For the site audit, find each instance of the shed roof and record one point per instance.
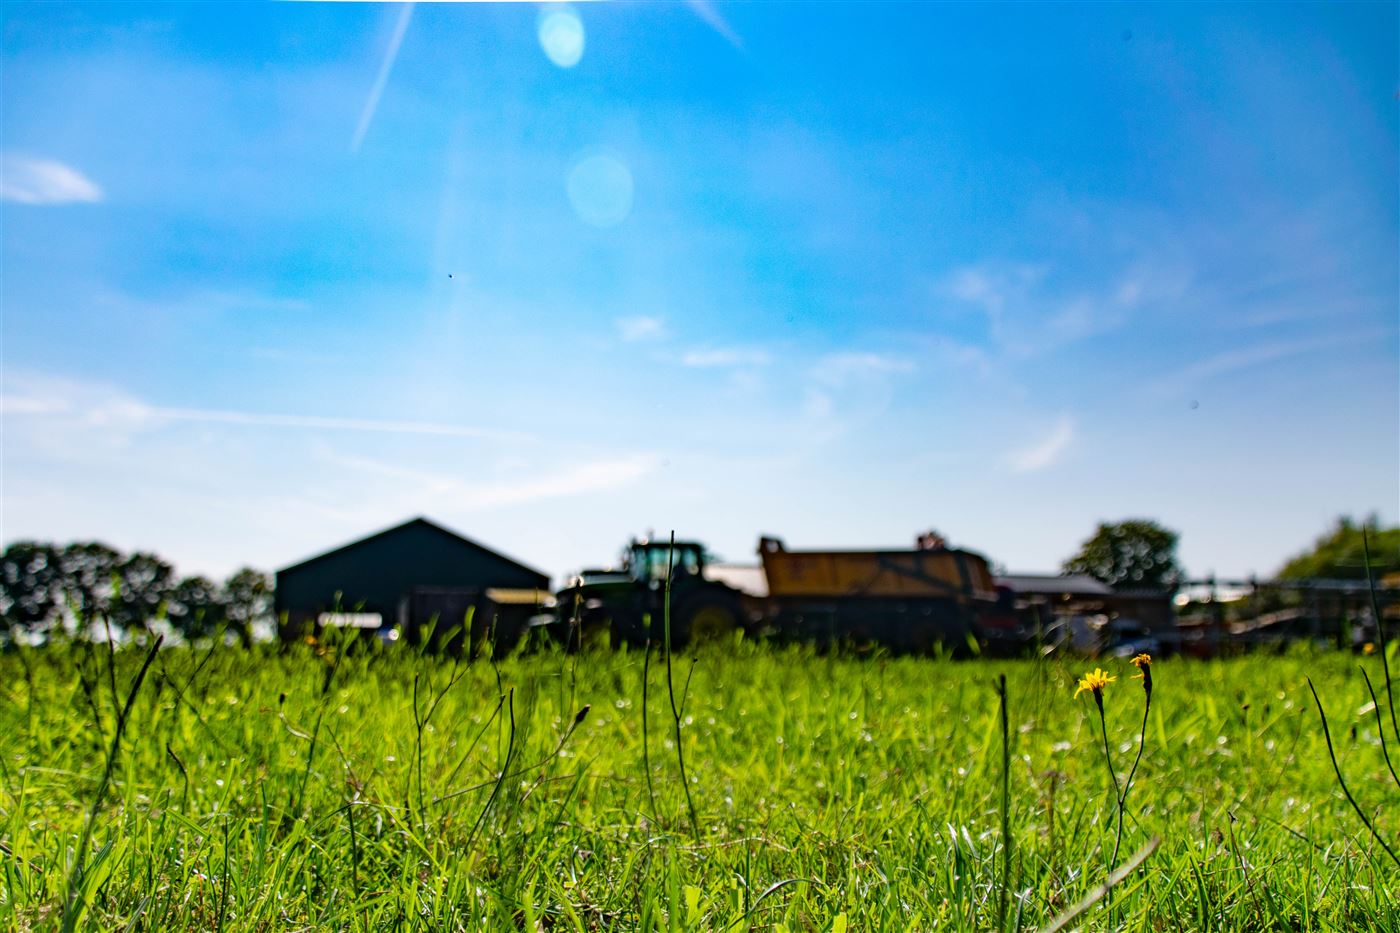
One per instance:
(1055, 584)
(419, 521)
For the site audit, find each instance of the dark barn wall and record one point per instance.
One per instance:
(372, 575)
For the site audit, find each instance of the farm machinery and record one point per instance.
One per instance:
(905, 601)
(628, 605)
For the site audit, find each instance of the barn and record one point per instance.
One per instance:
(402, 577)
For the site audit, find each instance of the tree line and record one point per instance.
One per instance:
(86, 587)
(1139, 553)
(1345, 551)
(81, 588)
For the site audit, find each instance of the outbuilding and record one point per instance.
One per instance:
(399, 579)
(1049, 602)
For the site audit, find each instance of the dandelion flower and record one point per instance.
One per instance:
(1095, 681)
(1143, 663)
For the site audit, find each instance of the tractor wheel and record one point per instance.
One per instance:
(706, 620)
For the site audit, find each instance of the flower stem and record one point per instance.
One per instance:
(1004, 894)
(1113, 781)
(1128, 785)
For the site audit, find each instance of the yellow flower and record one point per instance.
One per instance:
(1368, 648)
(1143, 663)
(1094, 681)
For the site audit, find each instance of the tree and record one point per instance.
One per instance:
(140, 585)
(1340, 553)
(85, 585)
(196, 608)
(85, 580)
(1136, 553)
(31, 593)
(248, 597)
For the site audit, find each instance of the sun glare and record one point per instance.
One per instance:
(561, 36)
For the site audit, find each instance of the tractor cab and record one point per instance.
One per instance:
(631, 604)
(647, 561)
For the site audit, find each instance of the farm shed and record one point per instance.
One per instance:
(402, 575)
(1075, 594)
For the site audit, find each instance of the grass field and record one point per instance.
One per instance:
(381, 790)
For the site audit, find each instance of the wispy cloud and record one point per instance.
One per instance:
(1045, 452)
(1026, 316)
(837, 367)
(847, 391)
(389, 426)
(640, 327)
(28, 405)
(382, 79)
(27, 180)
(1306, 311)
(1241, 358)
(726, 357)
(102, 407)
(454, 493)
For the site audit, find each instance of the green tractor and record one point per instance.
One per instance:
(626, 606)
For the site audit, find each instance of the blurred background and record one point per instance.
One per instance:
(275, 276)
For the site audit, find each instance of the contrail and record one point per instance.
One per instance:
(386, 66)
(214, 416)
(116, 408)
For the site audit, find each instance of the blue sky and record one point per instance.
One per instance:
(279, 275)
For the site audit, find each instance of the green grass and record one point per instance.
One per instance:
(261, 791)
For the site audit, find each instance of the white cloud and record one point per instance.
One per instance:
(836, 367)
(640, 327)
(11, 404)
(1240, 358)
(452, 492)
(1047, 451)
(573, 480)
(1027, 316)
(109, 410)
(725, 356)
(276, 495)
(269, 420)
(28, 180)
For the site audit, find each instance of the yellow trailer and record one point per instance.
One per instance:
(910, 600)
(936, 573)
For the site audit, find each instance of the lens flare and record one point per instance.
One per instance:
(561, 36)
(600, 189)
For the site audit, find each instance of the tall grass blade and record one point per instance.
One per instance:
(1093, 897)
(1336, 768)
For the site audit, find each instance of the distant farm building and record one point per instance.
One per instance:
(1083, 595)
(1055, 606)
(404, 578)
